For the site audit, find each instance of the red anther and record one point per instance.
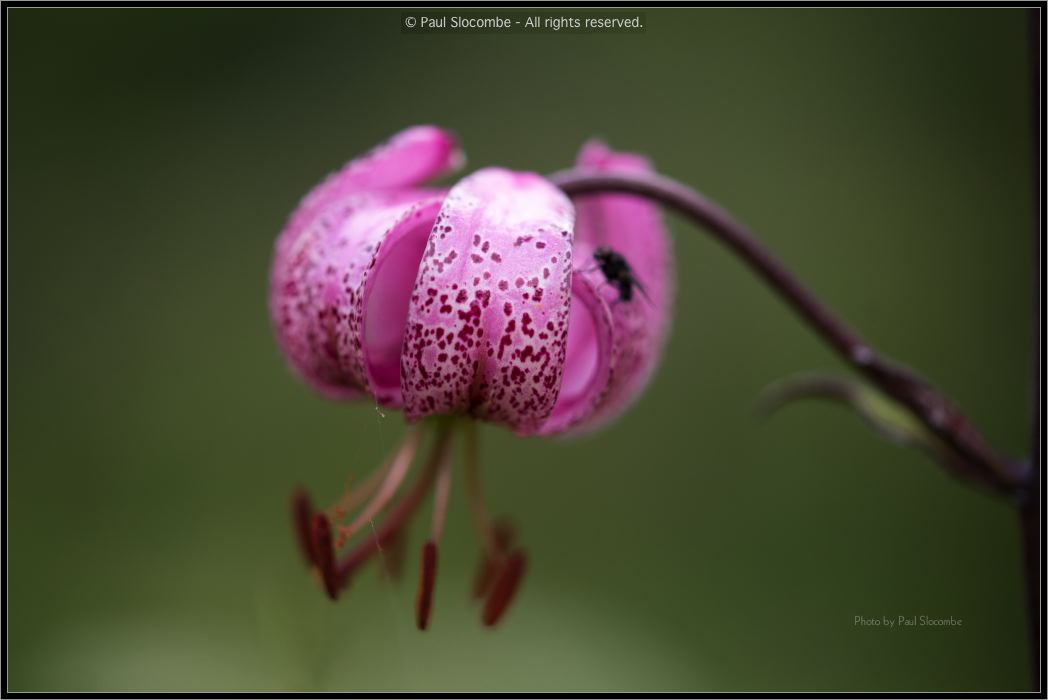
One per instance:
(505, 587)
(424, 600)
(301, 513)
(324, 554)
(502, 532)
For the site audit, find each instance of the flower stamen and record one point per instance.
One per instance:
(489, 566)
(354, 497)
(428, 579)
(505, 587)
(402, 511)
(475, 494)
(301, 518)
(398, 470)
(501, 570)
(324, 554)
(393, 556)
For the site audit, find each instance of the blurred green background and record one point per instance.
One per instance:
(155, 433)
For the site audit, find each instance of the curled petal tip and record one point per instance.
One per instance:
(597, 155)
(409, 158)
(427, 581)
(368, 213)
(504, 588)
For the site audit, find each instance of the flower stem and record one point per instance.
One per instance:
(977, 460)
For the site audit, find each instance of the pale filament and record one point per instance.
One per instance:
(397, 471)
(475, 496)
(403, 510)
(441, 497)
(353, 497)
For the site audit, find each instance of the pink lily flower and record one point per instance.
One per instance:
(496, 300)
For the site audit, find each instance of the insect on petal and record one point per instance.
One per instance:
(632, 227)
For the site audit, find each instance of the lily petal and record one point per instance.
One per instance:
(411, 157)
(632, 227)
(324, 296)
(322, 282)
(590, 354)
(487, 327)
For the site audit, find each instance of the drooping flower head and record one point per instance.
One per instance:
(486, 301)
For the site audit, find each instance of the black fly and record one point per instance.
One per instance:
(618, 273)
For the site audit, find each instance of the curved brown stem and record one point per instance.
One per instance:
(976, 461)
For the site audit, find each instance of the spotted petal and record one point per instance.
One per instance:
(369, 216)
(632, 227)
(408, 159)
(487, 329)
